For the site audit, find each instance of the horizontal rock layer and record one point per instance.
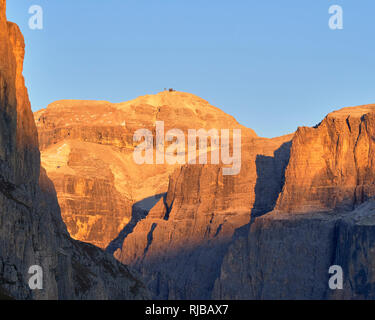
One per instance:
(88, 146)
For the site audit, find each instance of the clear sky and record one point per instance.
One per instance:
(274, 65)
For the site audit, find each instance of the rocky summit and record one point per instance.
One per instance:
(32, 232)
(87, 150)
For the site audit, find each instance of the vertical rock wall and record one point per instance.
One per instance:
(31, 229)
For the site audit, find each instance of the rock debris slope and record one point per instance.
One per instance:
(31, 229)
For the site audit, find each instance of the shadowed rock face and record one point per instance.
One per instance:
(355, 247)
(31, 229)
(280, 257)
(287, 256)
(180, 245)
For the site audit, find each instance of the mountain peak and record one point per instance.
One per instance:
(174, 98)
(355, 112)
(177, 109)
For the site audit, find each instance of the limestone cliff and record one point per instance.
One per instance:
(288, 256)
(31, 229)
(332, 165)
(189, 229)
(87, 149)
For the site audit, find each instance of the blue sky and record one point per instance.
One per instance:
(274, 65)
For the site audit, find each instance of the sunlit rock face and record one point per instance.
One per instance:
(31, 229)
(332, 165)
(88, 146)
